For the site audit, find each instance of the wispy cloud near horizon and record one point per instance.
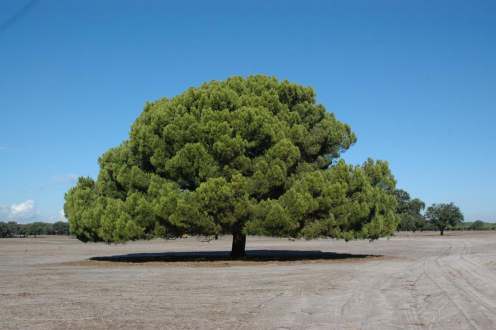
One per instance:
(20, 212)
(65, 178)
(26, 212)
(22, 208)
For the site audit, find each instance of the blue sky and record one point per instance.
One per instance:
(416, 80)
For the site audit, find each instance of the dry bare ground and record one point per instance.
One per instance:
(422, 281)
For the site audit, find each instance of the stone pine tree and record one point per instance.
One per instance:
(242, 156)
(443, 216)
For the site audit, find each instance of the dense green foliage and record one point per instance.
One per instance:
(443, 216)
(241, 156)
(13, 229)
(475, 225)
(410, 212)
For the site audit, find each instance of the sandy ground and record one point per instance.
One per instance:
(422, 281)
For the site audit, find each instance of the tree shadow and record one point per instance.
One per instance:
(251, 255)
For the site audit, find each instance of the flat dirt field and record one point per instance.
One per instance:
(406, 282)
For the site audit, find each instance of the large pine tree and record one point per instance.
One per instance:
(240, 156)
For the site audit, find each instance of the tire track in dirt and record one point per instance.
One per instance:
(424, 282)
(431, 267)
(378, 300)
(452, 275)
(461, 275)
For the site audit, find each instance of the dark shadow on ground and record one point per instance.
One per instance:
(251, 255)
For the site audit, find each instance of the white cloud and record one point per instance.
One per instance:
(22, 208)
(62, 216)
(26, 212)
(22, 212)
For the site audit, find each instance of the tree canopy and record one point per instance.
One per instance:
(14, 229)
(409, 210)
(443, 216)
(242, 156)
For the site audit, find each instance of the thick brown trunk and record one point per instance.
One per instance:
(238, 245)
(442, 232)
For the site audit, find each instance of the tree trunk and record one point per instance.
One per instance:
(238, 245)
(442, 232)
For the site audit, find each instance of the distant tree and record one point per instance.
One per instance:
(5, 230)
(409, 211)
(14, 228)
(478, 225)
(443, 216)
(240, 156)
(403, 198)
(60, 228)
(37, 228)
